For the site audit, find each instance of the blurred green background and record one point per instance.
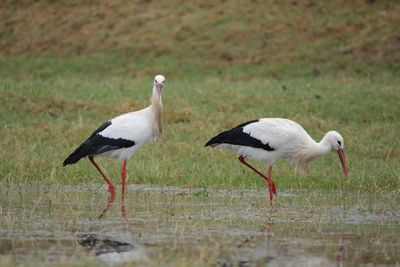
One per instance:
(68, 66)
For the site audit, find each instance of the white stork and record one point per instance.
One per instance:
(270, 139)
(122, 136)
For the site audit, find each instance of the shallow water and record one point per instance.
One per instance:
(172, 226)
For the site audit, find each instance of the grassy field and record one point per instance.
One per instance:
(335, 68)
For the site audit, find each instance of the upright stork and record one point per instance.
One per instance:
(270, 139)
(122, 136)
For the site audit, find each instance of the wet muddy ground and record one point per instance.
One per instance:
(171, 226)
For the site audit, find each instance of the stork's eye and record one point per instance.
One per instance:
(340, 143)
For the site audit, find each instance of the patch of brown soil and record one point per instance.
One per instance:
(259, 32)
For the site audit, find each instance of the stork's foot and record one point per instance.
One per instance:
(271, 195)
(274, 189)
(272, 192)
(111, 189)
(271, 189)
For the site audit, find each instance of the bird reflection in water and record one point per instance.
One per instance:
(110, 202)
(265, 248)
(118, 246)
(340, 255)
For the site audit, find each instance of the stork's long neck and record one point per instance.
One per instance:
(309, 151)
(319, 149)
(157, 109)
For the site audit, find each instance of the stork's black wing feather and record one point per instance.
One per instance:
(97, 144)
(101, 128)
(236, 136)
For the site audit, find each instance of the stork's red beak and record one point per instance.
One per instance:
(159, 86)
(342, 158)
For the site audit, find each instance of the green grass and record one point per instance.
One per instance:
(50, 104)
(66, 67)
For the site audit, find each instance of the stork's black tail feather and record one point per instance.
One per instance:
(85, 148)
(218, 139)
(236, 136)
(75, 156)
(97, 144)
(227, 136)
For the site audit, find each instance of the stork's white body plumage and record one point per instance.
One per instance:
(123, 135)
(270, 139)
(287, 137)
(137, 126)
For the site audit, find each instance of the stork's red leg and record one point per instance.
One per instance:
(123, 178)
(273, 183)
(110, 185)
(268, 179)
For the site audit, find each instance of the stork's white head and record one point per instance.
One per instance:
(159, 82)
(335, 140)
